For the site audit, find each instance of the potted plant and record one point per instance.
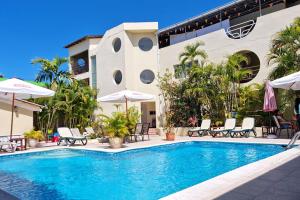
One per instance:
(170, 135)
(33, 137)
(168, 88)
(116, 128)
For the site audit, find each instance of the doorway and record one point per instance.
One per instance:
(148, 113)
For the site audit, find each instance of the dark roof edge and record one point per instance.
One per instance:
(82, 39)
(226, 5)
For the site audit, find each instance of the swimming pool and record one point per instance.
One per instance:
(148, 173)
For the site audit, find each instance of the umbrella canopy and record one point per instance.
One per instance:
(291, 81)
(18, 89)
(269, 100)
(22, 89)
(126, 95)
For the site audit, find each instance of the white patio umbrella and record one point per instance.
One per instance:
(291, 81)
(18, 89)
(126, 95)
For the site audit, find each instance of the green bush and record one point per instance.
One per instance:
(116, 125)
(37, 135)
(133, 116)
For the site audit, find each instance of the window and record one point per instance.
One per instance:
(253, 65)
(81, 62)
(94, 72)
(147, 76)
(118, 77)
(145, 44)
(116, 44)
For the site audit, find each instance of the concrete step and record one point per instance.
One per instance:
(153, 131)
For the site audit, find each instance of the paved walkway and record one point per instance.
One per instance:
(281, 183)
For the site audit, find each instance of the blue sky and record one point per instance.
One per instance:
(41, 28)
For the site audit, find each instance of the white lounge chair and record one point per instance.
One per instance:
(89, 131)
(6, 145)
(69, 137)
(248, 126)
(204, 128)
(225, 131)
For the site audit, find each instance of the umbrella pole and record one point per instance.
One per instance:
(12, 115)
(126, 102)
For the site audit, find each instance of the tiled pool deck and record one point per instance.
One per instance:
(276, 177)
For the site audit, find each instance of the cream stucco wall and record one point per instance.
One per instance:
(130, 60)
(23, 119)
(218, 46)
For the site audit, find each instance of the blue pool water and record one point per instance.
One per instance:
(148, 173)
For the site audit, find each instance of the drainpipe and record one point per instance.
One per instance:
(259, 2)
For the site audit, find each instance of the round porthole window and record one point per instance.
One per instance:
(252, 65)
(116, 44)
(145, 44)
(118, 77)
(81, 62)
(147, 76)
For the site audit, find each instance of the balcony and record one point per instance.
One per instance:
(80, 63)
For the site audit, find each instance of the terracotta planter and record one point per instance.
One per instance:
(115, 142)
(170, 136)
(32, 143)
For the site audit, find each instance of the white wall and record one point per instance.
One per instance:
(23, 118)
(130, 60)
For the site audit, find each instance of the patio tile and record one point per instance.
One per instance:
(235, 195)
(278, 195)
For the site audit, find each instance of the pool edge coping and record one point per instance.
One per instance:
(226, 182)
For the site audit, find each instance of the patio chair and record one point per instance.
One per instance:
(70, 137)
(204, 128)
(225, 131)
(145, 131)
(283, 126)
(137, 132)
(90, 131)
(6, 145)
(248, 126)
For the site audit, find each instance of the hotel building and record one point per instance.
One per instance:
(130, 56)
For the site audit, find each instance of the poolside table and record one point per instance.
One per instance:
(20, 141)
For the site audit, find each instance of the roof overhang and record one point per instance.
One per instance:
(83, 39)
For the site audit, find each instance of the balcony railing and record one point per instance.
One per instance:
(241, 30)
(76, 69)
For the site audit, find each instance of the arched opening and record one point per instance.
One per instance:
(253, 65)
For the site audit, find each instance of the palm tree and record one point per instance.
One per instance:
(192, 53)
(235, 73)
(285, 50)
(51, 71)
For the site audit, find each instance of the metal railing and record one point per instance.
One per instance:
(293, 140)
(241, 30)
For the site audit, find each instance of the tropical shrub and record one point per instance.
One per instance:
(74, 101)
(209, 90)
(285, 50)
(116, 125)
(168, 88)
(285, 55)
(37, 135)
(133, 116)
